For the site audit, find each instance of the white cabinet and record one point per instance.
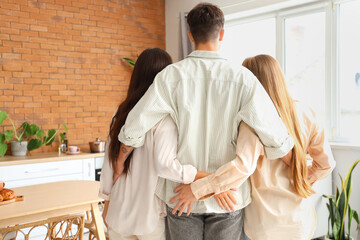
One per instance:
(44, 172)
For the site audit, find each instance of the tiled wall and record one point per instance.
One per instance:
(61, 60)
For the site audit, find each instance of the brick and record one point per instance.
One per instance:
(38, 28)
(12, 67)
(19, 38)
(54, 6)
(13, 92)
(31, 69)
(11, 55)
(4, 36)
(29, 9)
(32, 81)
(4, 30)
(5, 5)
(40, 74)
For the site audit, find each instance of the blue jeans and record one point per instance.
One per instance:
(208, 226)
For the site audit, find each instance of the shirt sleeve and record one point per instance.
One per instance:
(106, 177)
(165, 153)
(322, 158)
(151, 108)
(258, 111)
(248, 150)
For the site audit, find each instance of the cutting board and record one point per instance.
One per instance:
(15, 199)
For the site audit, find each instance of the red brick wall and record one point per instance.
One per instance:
(61, 60)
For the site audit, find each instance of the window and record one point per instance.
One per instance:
(305, 60)
(318, 47)
(249, 39)
(349, 70)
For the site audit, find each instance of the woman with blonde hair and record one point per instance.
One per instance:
(280, 207)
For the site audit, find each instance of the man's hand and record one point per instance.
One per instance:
(185, 197)
(226, 200)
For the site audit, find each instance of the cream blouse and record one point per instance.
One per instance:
(276, 211)
(133, 207)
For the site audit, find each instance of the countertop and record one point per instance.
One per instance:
(45, 157)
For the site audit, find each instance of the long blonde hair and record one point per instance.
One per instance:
(269, 73)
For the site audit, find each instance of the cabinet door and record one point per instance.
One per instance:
(89, 169)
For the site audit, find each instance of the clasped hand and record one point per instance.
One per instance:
(186, 199)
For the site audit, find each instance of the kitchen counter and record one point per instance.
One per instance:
(45, 157)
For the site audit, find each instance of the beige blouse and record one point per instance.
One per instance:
(276, 211)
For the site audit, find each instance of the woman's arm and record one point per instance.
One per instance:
(165, 154)
(319, 149)
(106, 177)
(248, 150)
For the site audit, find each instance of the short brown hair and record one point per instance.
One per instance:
(205, 21)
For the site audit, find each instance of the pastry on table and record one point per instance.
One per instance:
(7, 194)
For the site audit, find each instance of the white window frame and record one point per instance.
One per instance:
(331, 9)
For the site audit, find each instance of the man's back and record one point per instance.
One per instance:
(207, 95)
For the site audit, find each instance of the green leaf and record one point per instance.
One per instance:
(2, 138)
(332, 212)
(50, 137)
(26, 127)
(8, 135)
(130, 62)
(3, 149)
(33, 144)
(348, 180)
(62, 137)
(65, 127)
(337, 225)
(40, 134)
(350, 217)
(341, 206)
(3, 116)
(356, 217)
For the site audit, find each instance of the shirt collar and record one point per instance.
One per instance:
(205, 54)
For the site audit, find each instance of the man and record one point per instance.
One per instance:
(207, 97)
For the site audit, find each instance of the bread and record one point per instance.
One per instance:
(2, 185)
(1, 198)
(7, 194)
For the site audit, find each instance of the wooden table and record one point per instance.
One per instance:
(50, 200)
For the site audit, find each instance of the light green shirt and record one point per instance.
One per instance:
(207, 97)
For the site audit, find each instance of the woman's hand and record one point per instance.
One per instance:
(105, 210)
(185, 197)
(118, 171)
(226, 200)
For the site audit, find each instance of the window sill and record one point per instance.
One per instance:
(345, 146)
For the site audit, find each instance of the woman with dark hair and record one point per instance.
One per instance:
(132, 211)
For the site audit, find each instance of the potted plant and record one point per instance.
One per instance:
(26, 138)
(338, 206)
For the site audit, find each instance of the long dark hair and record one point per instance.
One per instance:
(150, 62)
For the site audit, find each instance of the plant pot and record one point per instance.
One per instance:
(19, 148)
